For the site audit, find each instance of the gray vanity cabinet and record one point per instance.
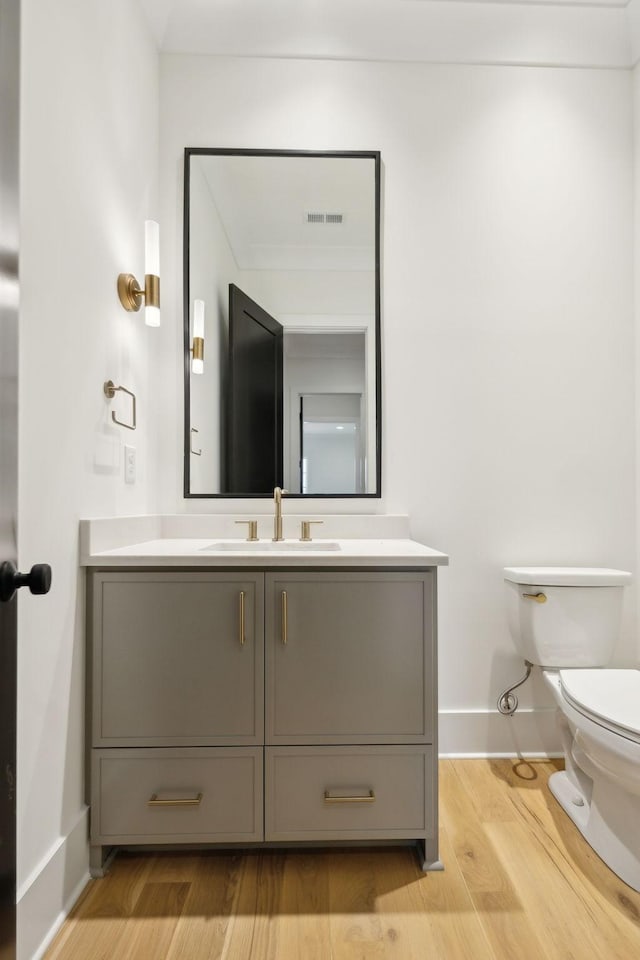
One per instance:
(245, 706)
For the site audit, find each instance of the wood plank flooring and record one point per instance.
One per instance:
(519, 882)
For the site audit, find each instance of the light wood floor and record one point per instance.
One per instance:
(520, 884)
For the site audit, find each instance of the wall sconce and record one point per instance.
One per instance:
(197, 350)
(130, 293)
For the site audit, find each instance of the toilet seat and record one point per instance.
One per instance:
(610, 698)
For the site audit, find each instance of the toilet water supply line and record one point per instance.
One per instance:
(508, 702)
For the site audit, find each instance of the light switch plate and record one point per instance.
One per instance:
(129, 464)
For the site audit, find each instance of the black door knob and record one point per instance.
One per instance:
(38, 579)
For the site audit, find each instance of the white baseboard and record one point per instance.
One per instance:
(487, 733)
(48, 894)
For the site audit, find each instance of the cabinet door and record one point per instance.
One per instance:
(177, 658)
(350, 657)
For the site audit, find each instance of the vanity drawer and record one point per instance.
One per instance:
(306, 790)
(213, 794)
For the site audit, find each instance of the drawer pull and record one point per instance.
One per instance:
(369, 798)
(242, 618)
(284, 618)
(154, 801)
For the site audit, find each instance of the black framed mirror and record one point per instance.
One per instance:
(282, 323)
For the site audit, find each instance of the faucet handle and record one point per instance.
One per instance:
(305, 529)
(252, 532)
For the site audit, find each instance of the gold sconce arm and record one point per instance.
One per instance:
(131, 294)
(110, 391)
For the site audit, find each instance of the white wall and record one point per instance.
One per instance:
(211, 268)
(635, 80)
(89, 147)
(317, 373)
(301, 293)
(508, 339)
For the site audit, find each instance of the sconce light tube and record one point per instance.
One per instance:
(129, 290)
(197, 360)
(152, 273)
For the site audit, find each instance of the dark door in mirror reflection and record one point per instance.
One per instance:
(254, 463)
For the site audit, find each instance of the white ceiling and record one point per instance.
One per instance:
(543, 3)
(546, 32)
(263, 204)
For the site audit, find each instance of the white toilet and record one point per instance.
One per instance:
(566, 620)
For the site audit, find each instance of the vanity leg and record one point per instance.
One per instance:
(100, 860)
(428, 855)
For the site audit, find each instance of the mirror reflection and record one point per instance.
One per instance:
(282, 366)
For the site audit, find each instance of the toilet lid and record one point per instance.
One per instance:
(610, 697)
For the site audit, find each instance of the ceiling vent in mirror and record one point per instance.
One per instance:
(324, 217)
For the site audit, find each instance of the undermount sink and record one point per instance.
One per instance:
(259, 546)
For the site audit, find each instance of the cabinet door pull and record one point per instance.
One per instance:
(154, 801)
(242, 638)
(284, 618)
(368, 798)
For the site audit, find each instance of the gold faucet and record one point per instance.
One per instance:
(277, 520)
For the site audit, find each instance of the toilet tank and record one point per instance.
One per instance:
(565, 616)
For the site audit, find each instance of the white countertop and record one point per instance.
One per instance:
(205, 553)
(166, 542)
